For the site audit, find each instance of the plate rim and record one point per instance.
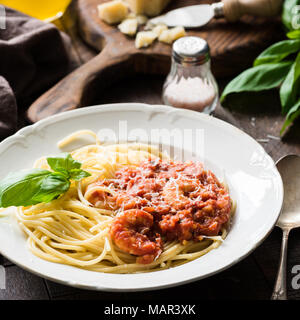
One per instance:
(139, 107)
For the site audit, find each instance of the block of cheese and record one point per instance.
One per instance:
(137, 6)
(129, 26)
(144, 39)
(113, 11)
(168, 36)
(148, 7)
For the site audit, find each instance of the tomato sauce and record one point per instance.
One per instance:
(185, 200)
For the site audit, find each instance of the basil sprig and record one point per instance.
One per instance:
(276, 67)
(29, 187)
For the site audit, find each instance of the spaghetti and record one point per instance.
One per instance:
(100, 223)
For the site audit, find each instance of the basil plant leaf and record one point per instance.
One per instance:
(62, 163)
(259, 78)
(23, 188)
(292, 115)
(289, 13)
(78, 174)
(278, 52)
(290, 88)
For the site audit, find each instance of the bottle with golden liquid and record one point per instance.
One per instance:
(44, 10)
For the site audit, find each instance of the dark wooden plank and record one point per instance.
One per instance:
(56, 289)
(93, 295)
(267, 257)
(139, 88)
(5, 262)
(22, 285)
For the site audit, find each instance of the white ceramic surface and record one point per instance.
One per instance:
(251, 174)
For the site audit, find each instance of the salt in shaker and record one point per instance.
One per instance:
(190, 83)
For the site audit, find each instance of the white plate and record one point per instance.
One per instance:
(251, 174)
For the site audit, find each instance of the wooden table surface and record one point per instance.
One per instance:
(252, 278)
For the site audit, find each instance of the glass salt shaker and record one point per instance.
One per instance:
(190, 83)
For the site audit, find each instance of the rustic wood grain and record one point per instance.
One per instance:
(22, 285)
(233, 47)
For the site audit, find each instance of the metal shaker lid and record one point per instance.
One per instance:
(191, 50)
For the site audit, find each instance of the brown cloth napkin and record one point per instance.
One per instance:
(33, 56)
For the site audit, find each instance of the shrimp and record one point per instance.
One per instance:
(102, 193)
(131, 232)
(179, 193)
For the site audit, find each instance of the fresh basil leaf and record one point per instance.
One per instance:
(290, 88)
(52, 186)
(259, 78)
(291, 116)
(64, 172)
(18, 188)
(34, 186)
(78, 174)
(62, 163)
(289, 13)
(295, 34)
(278, 52)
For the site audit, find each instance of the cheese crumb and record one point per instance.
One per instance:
(113, 11)
(141, 19)
(128, 26)
(131, 15)
(168, 36)
(158, 30)
(144, 39)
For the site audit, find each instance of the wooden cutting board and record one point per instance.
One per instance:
(233, 48)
